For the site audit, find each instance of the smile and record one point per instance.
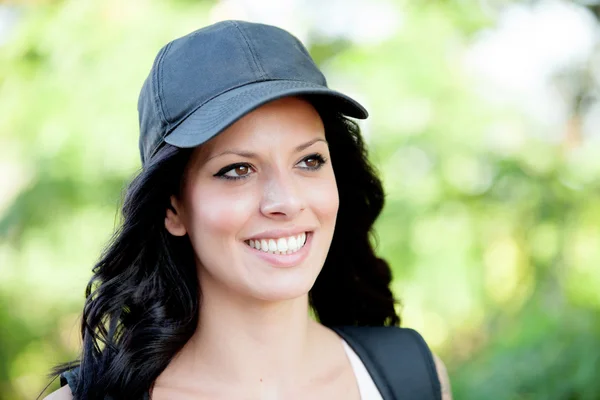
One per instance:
(284, 245)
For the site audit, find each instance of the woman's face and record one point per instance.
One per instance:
(259, 203)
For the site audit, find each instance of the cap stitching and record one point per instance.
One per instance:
(156, 99)
(159, 90)
(259, 68)
(158, 102)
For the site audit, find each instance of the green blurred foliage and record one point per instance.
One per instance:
(493, 232)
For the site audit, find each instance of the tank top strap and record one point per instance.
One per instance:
(366, 387)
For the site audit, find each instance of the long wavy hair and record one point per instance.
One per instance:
(142, 302)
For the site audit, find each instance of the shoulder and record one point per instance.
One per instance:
(443, 377)
(64, 393)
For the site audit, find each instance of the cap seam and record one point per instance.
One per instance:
(156, 98)
(159, 91)
(257, 65)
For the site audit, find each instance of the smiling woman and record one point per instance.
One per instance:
(253, 208)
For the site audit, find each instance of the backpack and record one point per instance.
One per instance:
(398, 360)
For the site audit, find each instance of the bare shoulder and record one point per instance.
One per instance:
(444, 379)
(64, 393)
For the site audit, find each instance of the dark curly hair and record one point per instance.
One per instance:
(142, 302)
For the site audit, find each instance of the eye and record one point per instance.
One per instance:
(312, 162)
(235, 171)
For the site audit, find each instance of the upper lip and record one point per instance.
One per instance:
(279, 233)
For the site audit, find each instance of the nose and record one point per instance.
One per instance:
(281, 197)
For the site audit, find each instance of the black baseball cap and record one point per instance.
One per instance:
(203, 82)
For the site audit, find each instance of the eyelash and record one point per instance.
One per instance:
(221, 174)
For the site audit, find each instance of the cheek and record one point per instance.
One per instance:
(323, 199)
(216, 216)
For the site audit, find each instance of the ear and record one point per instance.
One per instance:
(173, 219)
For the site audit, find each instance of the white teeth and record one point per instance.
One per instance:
(292, 243)
(287, 245)
(272, 245)
(282, 245)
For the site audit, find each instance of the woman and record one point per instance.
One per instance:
(252, 211)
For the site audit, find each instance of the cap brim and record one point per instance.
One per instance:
(222, 111)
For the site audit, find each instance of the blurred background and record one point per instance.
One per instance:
(485, 124)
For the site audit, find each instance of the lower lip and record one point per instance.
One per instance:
(284, 260)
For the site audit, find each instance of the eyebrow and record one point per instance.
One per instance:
(247, 154)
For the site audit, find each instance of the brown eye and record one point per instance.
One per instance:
(235, 171)
(241, 170)
(312, 162)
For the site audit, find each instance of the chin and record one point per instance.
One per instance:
(282, 291)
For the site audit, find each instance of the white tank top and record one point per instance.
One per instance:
(366, 386)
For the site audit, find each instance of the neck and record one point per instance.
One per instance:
(255, 343)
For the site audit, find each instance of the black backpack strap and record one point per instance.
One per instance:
(398, 359)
